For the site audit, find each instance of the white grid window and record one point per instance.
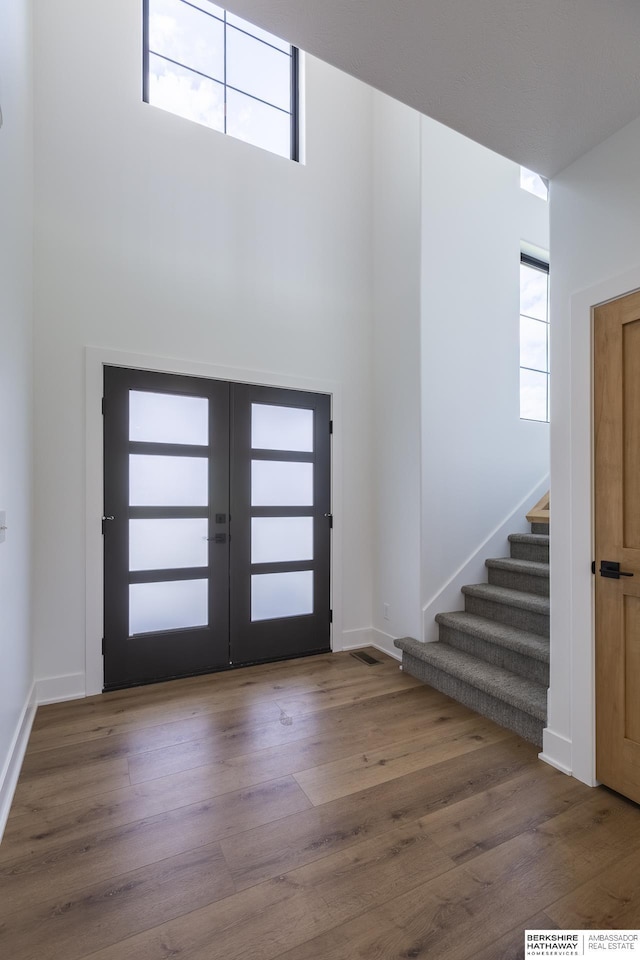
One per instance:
(207, 65)
(534, 339)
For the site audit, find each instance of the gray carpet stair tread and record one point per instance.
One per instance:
(512, 598)
(540, 539)
(531, 568)
(522, 694)
(492, 631)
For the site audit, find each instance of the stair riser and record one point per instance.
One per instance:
(524, 666)
(501, 713)
(519, 581)
(513, 616)
(530, 551)
(540, 528)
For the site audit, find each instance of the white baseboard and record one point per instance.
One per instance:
(556, 751)
(13, 763)
(356, 639)
(473, 570)
(71, 686)
(370, 637)
(384, 642)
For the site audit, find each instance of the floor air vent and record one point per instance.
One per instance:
(365, 657)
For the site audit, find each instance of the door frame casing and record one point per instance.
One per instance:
(95, 360)
(569, 739)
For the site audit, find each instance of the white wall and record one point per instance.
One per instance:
(16, 176)
(396, 339)
(160, 237)
(453, 461)
(479, 460)
(595, 213)
(372, 266)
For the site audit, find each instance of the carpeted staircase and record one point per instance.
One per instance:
(494, 656)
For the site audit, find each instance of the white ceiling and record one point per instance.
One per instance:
(539, 81)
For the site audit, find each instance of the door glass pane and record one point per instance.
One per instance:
(167, 606)
(281, 539)
(258, 69)
(533, 395)
(168, 481)
(281, 428)
(168, 418)
(278, 484)
(160, 544)
(275, 595)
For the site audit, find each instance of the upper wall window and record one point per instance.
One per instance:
(204, 63)
(534, 339)
(534, 183)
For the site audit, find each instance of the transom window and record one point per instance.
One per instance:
(205, 64)
(534, 183)
(534, 339)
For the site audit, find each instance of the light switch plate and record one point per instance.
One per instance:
(3, 525)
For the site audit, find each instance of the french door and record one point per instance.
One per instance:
(216, 525)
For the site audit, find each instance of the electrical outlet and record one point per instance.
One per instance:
(386, 608)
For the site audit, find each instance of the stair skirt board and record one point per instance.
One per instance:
(526, 726)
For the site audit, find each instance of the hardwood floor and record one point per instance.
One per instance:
(318, 809)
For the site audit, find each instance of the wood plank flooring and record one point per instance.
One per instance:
(318, 809)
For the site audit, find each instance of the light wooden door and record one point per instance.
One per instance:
(617, 525)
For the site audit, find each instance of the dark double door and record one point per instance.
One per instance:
(216, 525)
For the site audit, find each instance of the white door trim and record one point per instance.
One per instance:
(95, 360)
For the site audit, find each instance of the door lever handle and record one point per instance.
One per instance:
(104, 520)
(611, 570)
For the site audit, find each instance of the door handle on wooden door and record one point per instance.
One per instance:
(611, 570)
